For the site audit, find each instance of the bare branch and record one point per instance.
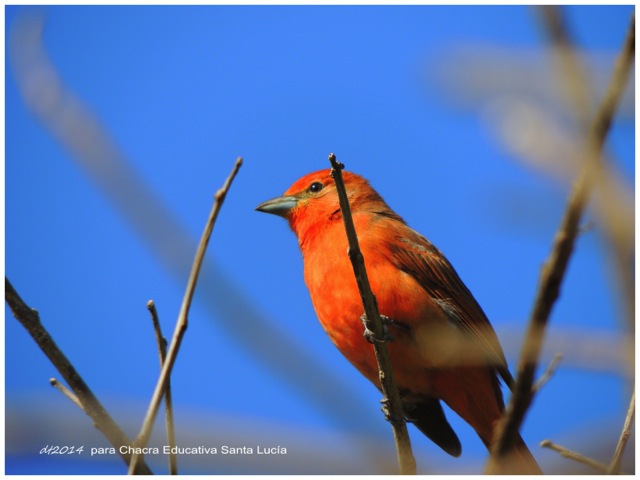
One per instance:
(577, 90)
(578, 457)
(162, 342)
(30, 320)
(168, 402)
(66, 392)
(614, 467)
(551, 369)
(391, 400)
(77, 128)
(182, 322)
(572, 75)
(555, 267)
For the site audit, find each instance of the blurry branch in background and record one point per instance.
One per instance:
(616, 230)
(183, 317)
(76, 128)
(578, 457)
(597, 351)
(537, 124)
(555, 267)
(571, 75)
(30, 320)
(546, 376)
(84, 398)
(392, 404)
(316, 450)
(615, 466)
(168, 401)
(613, 202)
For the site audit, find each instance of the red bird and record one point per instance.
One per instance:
(443, 347)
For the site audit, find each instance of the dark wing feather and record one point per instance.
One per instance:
(419, 258)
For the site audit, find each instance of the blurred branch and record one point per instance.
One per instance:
(577, 89)
(182, 322)
(623, 249)
(67, 393)
(168, 401)
(78, 129)
(573, 79)
(578, 457)
(546, 376)
(391, 401)
(30, 320)
(312, 448)
(555, 267)
(597, 351)
(616, 462)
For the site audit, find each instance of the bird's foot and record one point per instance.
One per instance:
(389, 416)
(370, 336)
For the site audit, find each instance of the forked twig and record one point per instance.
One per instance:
(578, 457)
(30, 320)
(614, 467)
(391, 399)
(181, 324)
(168, 401)
(555, 267)
(548, 373)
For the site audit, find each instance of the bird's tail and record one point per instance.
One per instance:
(519, 462)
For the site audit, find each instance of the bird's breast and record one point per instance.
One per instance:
(334, 292)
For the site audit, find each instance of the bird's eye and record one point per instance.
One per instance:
(316, 187)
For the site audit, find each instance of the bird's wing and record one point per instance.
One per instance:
(416, 256)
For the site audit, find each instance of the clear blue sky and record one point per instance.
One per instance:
(182, 91)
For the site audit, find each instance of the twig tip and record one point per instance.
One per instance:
(335, 164)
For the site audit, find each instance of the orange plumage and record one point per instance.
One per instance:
(443, 347)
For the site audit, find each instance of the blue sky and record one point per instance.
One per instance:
(183, 91)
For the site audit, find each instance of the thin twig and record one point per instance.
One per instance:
(576, 88)
(572, 76)
(182, 322)
(168, 402)
(548, 373)
(624, 251)
(578, 457)
(66, 392)
(30, 320)
(391, 399)
(616, 461)
(162, 342)
(555, 267)
(615, 466)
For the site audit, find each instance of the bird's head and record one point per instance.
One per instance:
(313, 200)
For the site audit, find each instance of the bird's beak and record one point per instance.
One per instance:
(278, 206)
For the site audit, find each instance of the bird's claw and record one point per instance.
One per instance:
(370, 336)
(389, 416)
